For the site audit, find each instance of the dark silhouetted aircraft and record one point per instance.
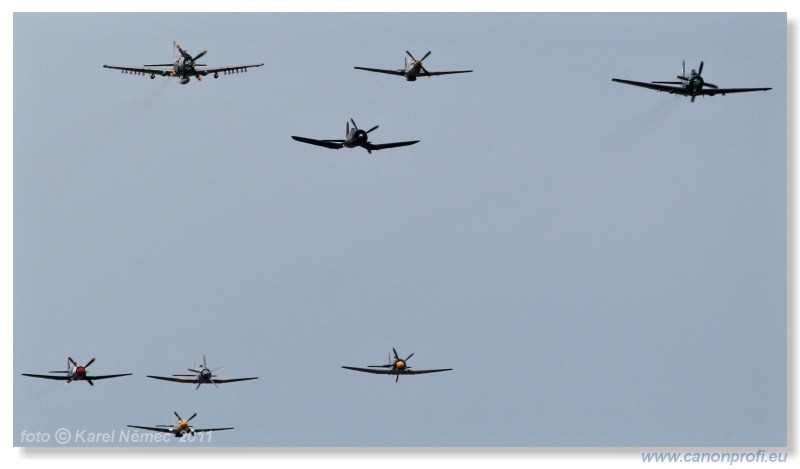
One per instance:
(396, 366)
(354, 137)
(692, 86)
(412, 70)
(201, 375)
(184, 68)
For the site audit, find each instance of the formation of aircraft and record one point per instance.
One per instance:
(75, 372)
(354, 137)
(396, 366)
(692, 85)
(181, 427)
(201, 374)
(411, 71)
(184, 68)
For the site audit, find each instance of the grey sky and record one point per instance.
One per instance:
(602, 265)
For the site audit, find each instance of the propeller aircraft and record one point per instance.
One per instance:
(75, 372)
(181, 427)
(396, 366)
(201, 374)
(692, 85)
(354, 137)
(184, 68)
(413, 70)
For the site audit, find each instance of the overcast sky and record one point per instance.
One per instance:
(601, 265)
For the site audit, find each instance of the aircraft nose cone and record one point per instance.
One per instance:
(400, 364)
(80, 371)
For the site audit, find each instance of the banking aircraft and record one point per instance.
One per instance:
(75, 372)
(413, 70)
(181, 427)
(692, 86)
(184, 68)
(396, 366)
(201, 375)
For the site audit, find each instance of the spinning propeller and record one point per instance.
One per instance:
(355, 127)
(419, 62)
(396, 364)
(204, 374)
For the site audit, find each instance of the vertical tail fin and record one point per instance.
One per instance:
(683, 68)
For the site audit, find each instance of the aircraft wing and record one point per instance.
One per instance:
(156, 429)
(142, 70)
(371, 147)
(332, 144)
(107, 376)
(229, 380)
(198, 430)
(177, 380)
(422, 372)
(724, 91)
(382, 70)
(59, 378)
(235, 68)
(433, 74)
(385, 371)
(654, 86)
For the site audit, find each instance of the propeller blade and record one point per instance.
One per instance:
(710, 85)
(176, 415)
(215, 384)
(397, 378)
(425, 56)
(204, 362)
(395, 354)
(200, 55)
(700, 70)
(217, 368)
(90, 362)
(679, 77)
(354, 123)
(408, 357)
(194, 371)
(409, 54)
(370, 130)
(694, 94)
(198, 385)
(423, 69)
(193, 416)
(90, 382)
(69, 359)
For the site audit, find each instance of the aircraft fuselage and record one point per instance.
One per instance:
(355, 138)
(412, 72)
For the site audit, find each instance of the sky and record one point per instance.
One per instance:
(601, 265)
